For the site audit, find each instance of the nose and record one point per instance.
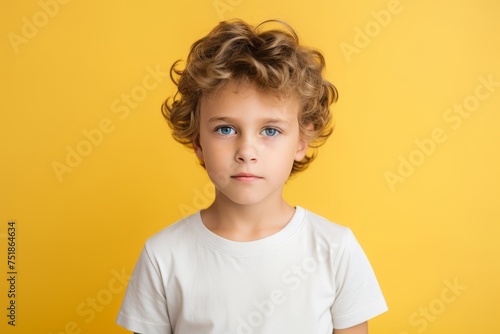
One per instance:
(246, 151)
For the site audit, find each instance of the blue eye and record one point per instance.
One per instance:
(225, 130)
(270, 132)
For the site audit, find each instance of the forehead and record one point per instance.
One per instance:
(245, 98)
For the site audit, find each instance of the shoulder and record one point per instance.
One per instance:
(327, 235)
(322, 226)
(178, 233)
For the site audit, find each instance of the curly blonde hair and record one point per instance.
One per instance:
(272, 60)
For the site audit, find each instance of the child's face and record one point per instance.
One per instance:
(248, 141)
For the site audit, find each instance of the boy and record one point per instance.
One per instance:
(250, 103)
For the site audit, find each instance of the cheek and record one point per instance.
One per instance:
(282, 162)
(218, 174)
(214, 158)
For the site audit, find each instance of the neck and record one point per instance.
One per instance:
(246, 222)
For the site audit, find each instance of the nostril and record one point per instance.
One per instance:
(246, 153)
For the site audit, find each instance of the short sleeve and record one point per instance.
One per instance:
(144, 308)
(358, 295)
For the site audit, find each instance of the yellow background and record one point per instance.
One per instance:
(438, 225)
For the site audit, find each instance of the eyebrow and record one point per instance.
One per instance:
(271, 121)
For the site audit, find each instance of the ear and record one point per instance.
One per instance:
(198, 149)
(303, 144)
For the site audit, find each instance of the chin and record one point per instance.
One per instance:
(240, 198)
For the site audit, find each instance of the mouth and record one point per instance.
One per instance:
(246, 177)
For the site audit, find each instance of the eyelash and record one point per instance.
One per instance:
(218, 129)
(276, 131)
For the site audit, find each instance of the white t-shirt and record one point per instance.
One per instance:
(310, 277)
